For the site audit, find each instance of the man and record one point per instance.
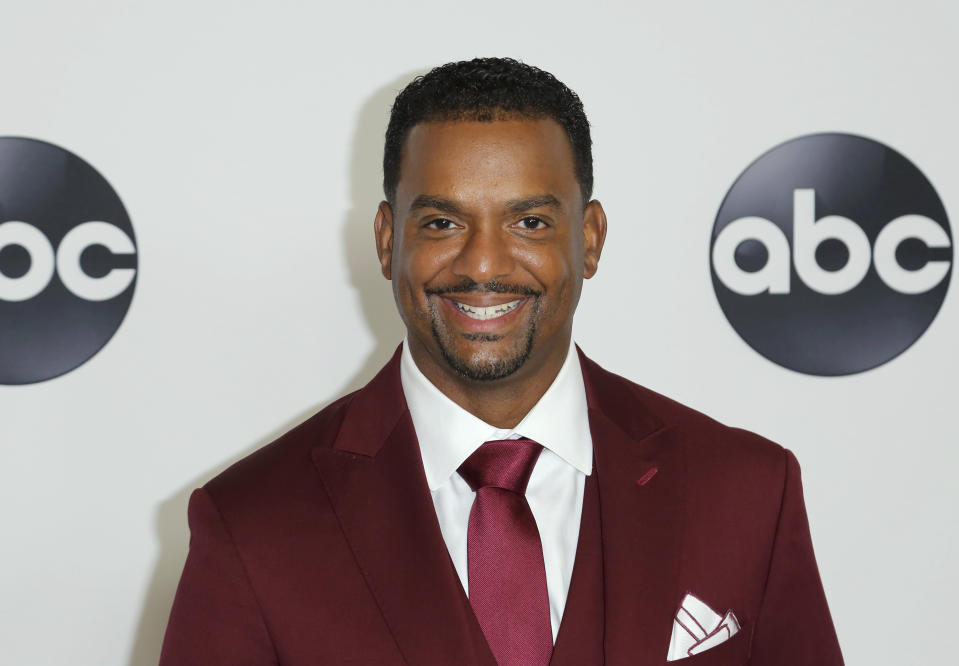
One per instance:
(492, 495)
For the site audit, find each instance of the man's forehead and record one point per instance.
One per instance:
(467, 130)
(516, 158)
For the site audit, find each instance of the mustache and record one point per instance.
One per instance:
(492, 287)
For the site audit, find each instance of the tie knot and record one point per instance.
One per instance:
(502, 463)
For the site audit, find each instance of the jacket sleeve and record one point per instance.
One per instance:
(794, 627)
(216, 619)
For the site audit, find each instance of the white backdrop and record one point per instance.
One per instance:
(245, 140)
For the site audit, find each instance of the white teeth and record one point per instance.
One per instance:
(492, 312)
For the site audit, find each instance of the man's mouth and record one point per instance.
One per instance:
(491, 312)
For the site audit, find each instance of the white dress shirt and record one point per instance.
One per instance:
(448, 435)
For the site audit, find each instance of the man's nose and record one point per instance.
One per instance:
(485, 255)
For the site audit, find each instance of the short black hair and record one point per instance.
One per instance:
(487, 89)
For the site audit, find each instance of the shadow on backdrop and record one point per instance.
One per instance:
(376, 301)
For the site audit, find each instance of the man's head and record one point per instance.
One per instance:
(485, 89)
(488, 230)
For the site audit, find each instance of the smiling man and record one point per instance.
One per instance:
(487, 238)
(492, 496)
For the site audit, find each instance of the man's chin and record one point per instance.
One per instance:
(482, 337)
(484, 356)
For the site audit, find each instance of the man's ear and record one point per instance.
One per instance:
(383, 232)
(594, 236)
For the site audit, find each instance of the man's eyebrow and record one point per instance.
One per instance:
(438, 203)
(529, 203)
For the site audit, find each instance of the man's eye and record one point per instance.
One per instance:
(532, 223)
(440, 224)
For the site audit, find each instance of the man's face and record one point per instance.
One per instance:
(487, 245)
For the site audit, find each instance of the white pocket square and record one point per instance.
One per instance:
(697, 627)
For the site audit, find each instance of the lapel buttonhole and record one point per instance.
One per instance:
(644, 479)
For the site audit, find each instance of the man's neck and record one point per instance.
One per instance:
(500, 402)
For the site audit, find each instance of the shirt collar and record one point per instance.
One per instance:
(448, 434)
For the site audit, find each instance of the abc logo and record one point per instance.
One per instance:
(68, 261)
(831, 254)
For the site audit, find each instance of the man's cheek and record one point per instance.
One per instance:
(559, 298)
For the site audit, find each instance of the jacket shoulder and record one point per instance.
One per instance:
(282, 465)
(283, 470)
(707, 441)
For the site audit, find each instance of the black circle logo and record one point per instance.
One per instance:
(68, 261)
(831, 254)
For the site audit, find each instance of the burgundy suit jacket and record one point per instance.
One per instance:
(324, 547)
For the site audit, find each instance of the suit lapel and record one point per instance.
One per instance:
(374, 477)
(641, 480)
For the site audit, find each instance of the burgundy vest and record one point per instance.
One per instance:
(581, 633)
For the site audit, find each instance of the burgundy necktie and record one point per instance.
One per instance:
(507, 576)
